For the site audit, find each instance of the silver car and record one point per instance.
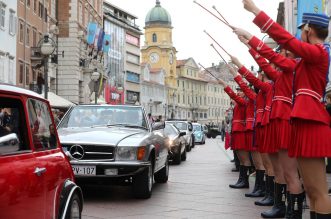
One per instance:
(115, 144)
(187, 127)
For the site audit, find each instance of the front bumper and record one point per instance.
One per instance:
(173, 151)
(124, 168)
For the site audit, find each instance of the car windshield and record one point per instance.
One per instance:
(180, 125)
(170, 130)
(94, 116)
(196, 127)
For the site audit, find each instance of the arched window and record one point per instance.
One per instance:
(154, 38)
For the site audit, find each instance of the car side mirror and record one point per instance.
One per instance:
(158, 126)
(10, 139)
(182, 134)
(190, 129)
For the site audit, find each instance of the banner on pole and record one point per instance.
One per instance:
(91, 30)
(106, 43)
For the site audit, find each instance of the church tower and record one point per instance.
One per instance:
(158, 49)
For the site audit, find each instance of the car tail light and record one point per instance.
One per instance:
(141, 153)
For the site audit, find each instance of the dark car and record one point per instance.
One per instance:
(115, 144)
(176, 143)
(187, 127)
(36, 177)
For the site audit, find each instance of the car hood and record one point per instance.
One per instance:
(109, 136)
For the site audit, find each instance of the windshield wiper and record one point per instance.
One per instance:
(127, 125)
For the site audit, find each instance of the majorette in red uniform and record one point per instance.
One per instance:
(263, 114)
(280, 128)
(311, 139)
(259, 187)
(238, 137)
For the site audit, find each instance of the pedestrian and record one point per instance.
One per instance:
(150, 118)
(311, 133)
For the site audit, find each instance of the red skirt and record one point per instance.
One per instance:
(310, 139)
(266, 144)
(238, 141)
(227, 143)
(249, 141)
(283, 133)
(258, 135)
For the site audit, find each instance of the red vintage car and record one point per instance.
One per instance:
(36, 178)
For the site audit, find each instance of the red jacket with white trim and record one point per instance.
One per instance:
(238, 119)
(282, 96)
(310, 72)
(250, 102)
(267, 89)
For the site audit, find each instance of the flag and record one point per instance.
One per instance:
(106, 43)
(100, 40)
(97, 32)
(308, 6)
(91, 29)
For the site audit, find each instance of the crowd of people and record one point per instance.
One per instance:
(280, 121)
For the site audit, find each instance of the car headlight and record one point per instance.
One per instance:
(126, 153)
(130, 153)
(171, 142)
(199, 135)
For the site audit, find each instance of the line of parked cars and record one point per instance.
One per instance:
(40, 164)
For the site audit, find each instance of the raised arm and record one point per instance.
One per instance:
(311, 53)
(271, 72)
(286, 64)
(265, 87)
(244, 87)
(232, 95)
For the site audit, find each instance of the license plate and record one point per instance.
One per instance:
(84, 170)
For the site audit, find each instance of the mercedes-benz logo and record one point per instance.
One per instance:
(77, 152)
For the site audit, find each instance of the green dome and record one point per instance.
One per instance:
(158, 15)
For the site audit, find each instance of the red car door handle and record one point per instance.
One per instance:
(39, 171)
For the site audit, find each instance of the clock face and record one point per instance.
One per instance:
(171, 58)
(154, 57)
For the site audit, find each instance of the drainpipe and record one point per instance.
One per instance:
(57, 48)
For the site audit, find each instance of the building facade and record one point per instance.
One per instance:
(153, 91)
(35, 18)
(191, 92)
(123, 59)
(8, 34)
(158, 49)
(217, 99)
(79, 60)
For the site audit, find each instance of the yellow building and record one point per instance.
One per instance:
(191, 92)
(158, 49)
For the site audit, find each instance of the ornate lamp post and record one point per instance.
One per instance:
(47, 47)
(95, 77)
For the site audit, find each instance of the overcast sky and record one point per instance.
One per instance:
(189, 21)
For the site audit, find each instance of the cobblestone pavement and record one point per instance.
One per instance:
(198, 188)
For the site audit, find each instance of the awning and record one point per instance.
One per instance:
(57, 101)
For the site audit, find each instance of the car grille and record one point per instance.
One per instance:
(91, 152)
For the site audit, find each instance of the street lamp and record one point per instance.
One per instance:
(95, 77)
(47, 47)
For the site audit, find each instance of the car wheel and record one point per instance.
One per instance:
(192, 141)
(163, 175)
(143, 183)
(177, 157)
(214, 136)
(183, 156)
(204, 141)
(208, 135)
(75, 208)
(188, 147)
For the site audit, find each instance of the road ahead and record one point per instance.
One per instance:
(198, 188)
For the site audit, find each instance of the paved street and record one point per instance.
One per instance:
(197, 188)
